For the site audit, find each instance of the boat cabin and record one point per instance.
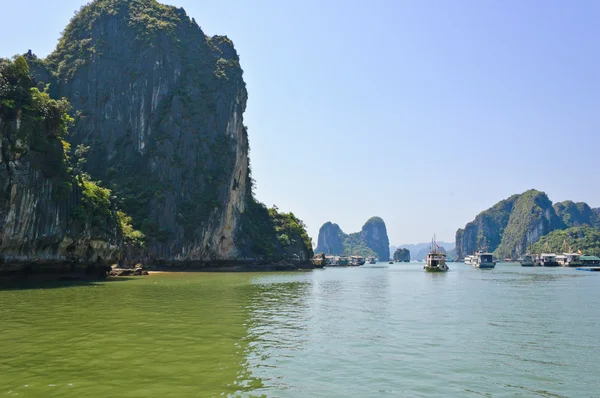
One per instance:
(357, 260)
(434, 259)
(342, 261)
(485, 257)
(548, 257)
(590, 260)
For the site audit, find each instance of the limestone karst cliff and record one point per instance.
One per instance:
(372, 240)
(158, 111)
(512, 225)
(331, 239)
(51, 220)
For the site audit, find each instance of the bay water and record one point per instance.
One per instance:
(370, 331)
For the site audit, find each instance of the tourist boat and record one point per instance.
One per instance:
(357, 260)
(527, 261)
(343, 261)
(547, 260)
(371, 260)
(468, 260)
(569, 260)
(483, 260)
(435, 261)
(391, 262)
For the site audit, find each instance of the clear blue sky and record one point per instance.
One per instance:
(423, 112)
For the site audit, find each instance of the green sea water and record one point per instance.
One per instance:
(361, 332)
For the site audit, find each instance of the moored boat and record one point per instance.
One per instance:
(357, 260)
(483, 260)
(527, 261)
(468, 260)
(569, 260)
(547, 260)
(371, 260)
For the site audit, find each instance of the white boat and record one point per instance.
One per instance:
(527, 261)
(483, 260)
(435, 261)
(569, 260)
(371, 260)
(357, 260)
(547, 260)
(468, 260)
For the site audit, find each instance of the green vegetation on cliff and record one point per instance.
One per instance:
(42, 121)
(274, 235)
(584, 238)
(354, 244)
(576, 214)
(41, 127)
(531, 215)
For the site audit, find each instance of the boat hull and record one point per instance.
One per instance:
(527, 264)
(485, 265)
(550, 264)
(435, 269)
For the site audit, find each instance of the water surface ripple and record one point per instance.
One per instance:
(360, 332)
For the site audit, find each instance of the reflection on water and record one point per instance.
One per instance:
(402, 332)
(395, 331)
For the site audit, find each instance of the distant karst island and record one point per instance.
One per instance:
(530, 221)
(371, 241)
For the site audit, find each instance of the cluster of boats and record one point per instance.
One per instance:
(551, 260)
(435, 261)
(345, 261)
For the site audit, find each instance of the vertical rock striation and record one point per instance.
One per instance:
(38, 196)
(331, 239)
(160, 106)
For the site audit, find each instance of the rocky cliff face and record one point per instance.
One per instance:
(39, 198)
(577, 214)
(331, 239)
(510, 226)
(160, 105)
(372, 240)
(374, 233)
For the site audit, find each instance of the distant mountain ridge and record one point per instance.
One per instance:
(513, 224)
(372, 240)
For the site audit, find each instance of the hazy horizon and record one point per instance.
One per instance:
(423, 113)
